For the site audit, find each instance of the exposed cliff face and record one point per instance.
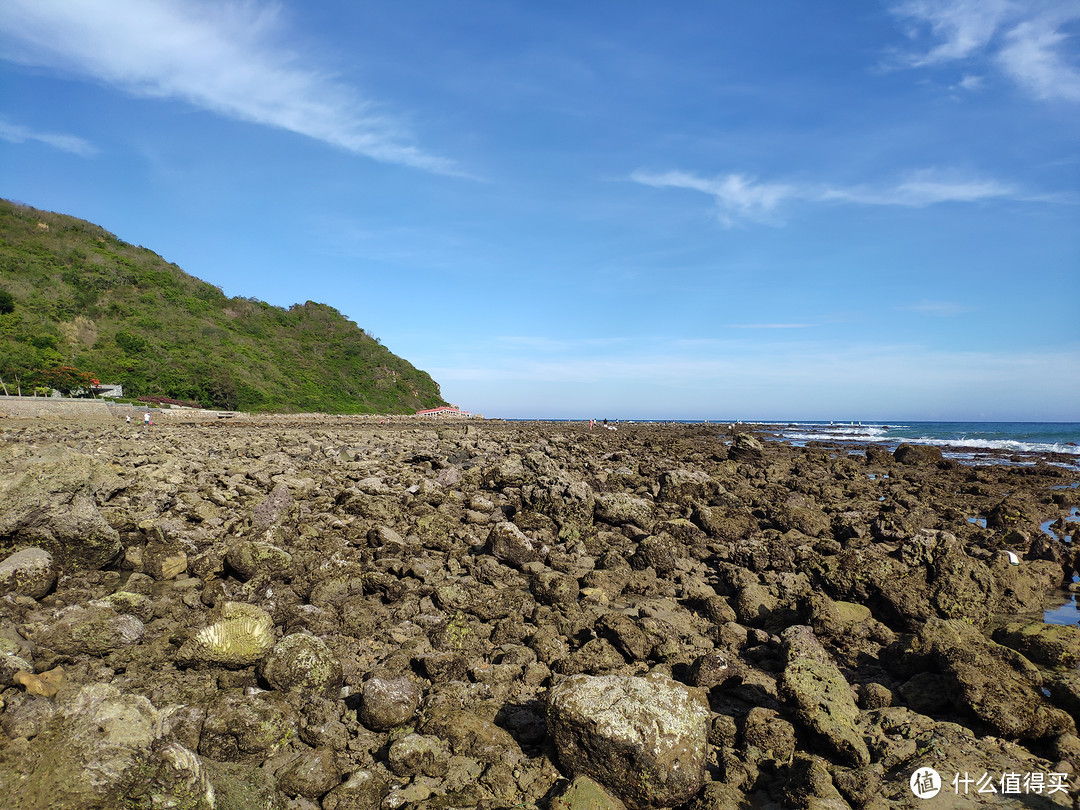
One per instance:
(72, 294)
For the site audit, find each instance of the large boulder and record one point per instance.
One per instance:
(917, 454)
(388, 702)
(1055, 645)
(644, 739)
(28, 572)
(992, 683)
(104, 749)
(820, 697)
(303, 662)
(51, 502)
(508, 544)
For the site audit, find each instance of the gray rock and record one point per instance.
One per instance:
(644, 739)
(363, 790)
(28, 572)
(300, 661)
(271, 510)
(87, 630)
(311, 775)
(508, 544)
(388, 702)
(239, 728)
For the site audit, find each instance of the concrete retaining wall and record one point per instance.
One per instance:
(93, 410)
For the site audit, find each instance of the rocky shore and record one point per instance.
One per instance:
(336, 614)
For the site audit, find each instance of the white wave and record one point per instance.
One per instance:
(1002, 444)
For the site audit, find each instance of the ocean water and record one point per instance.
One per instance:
(965, 440)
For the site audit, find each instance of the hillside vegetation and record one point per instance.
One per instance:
(74, 295)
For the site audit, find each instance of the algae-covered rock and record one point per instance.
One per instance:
(507, 543)
(993, 683)
(238, 635)
(103, 749)
(49, 501)
(644, 739)
(300, 661)
(87, 630)
(1051, 644)
(472, 736)
(28, 572)
(416, 754)
(585, 794)
(820, 697)
(363, 790)
(622, 509)
(249, 558)
(242, 728)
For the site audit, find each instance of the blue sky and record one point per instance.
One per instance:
(773, 210)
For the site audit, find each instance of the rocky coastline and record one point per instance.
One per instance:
(328, 613)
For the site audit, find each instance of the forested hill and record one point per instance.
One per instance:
(74, 296)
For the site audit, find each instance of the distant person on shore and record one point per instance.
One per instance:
(146, 419)
(129, 418)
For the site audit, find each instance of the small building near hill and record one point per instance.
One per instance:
(445, 410)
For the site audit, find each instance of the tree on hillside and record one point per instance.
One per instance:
(7, 303)
(65, 379)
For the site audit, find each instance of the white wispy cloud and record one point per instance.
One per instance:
(1025, 40)
(1032, 56)
(741, 198)
(16, 133)
(924, 188)
(738, 196)
(962, 27)
(226, 57)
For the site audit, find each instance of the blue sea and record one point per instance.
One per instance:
(964, 441)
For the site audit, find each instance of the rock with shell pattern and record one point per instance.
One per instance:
(237, 636)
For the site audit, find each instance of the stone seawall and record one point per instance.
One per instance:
(93, 410)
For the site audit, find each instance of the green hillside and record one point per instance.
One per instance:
(74, 295)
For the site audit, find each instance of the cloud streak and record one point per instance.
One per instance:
(224, 57)
(16, 133)
(741, 198)
(1023, 40)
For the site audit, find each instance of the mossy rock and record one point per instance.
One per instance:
(301, 661)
